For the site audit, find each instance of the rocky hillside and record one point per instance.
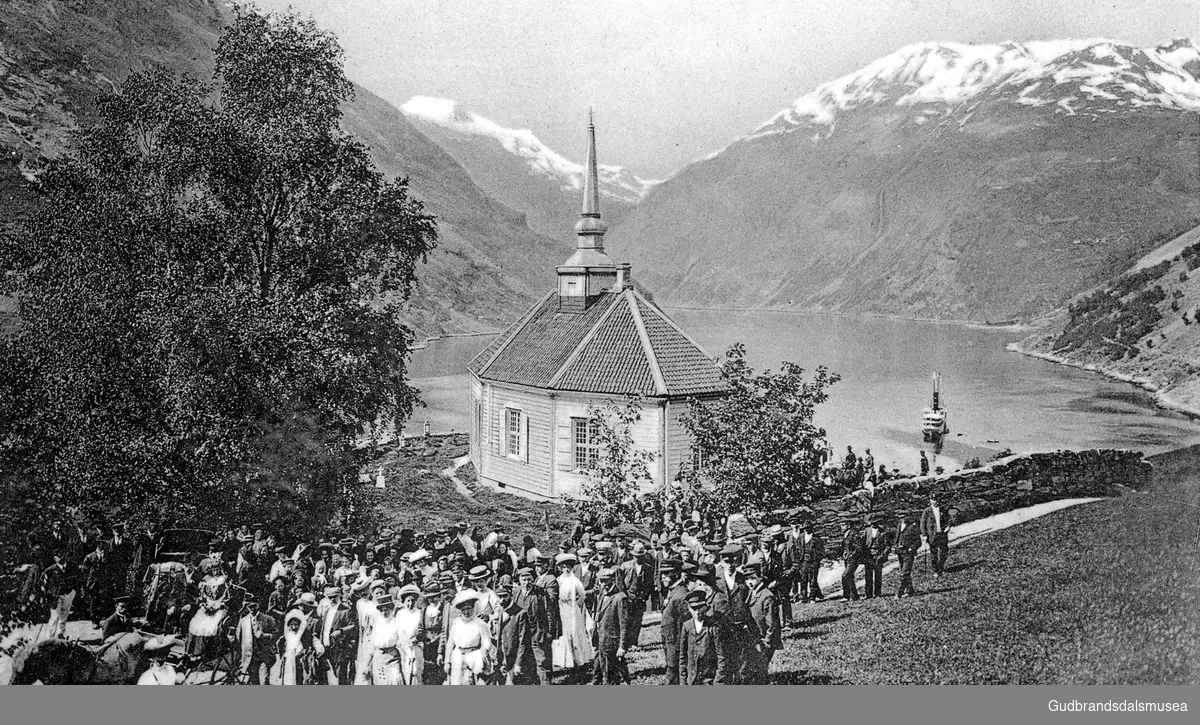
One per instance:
(1142, 326)
(988, 183)
(56, 55)
(515, 167)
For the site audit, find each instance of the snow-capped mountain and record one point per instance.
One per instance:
(985, 182)
(1074, 76)
(520, 170)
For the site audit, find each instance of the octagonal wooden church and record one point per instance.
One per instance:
(592, 340)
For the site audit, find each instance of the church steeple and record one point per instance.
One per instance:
(590, 225)
(589, 272)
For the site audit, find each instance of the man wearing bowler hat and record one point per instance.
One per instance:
(908, 542)
(877, 542)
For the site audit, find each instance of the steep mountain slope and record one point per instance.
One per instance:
(945, 181)
(55, 56)
(515, 167)
(1142, 326)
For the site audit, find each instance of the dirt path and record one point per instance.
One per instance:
(450, 475)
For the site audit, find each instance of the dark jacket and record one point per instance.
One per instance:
(908, 541)
(808, 555)
(738, 598)
(703, 656)
(515, 641)
(537, 610)
(878, 547)
(928, 524)
(854, 547)
(674, 612)
(115, 625)
(58, 581)
(765, 614)
(612, 626)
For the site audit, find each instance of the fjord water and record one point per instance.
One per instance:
(996, 399)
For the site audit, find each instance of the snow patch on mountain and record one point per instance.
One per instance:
(1059, 73)
(615, 181)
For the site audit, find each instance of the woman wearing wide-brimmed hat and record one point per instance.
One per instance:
(470, 652)
(410, 629)
(574, 647)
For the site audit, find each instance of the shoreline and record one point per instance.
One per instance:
(1006, 326)
(1161, 399)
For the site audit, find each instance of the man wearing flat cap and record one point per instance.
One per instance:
(514, 640)
(674, 613)
(119, 621)
(534, 601)
(704, 644)
(765, 614)
(613, 634)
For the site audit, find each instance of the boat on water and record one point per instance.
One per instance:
(934, 423)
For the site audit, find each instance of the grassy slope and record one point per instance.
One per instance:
(1105, 593)
(416, 496)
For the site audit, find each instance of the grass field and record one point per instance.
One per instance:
(1103, 593)
(418, 497)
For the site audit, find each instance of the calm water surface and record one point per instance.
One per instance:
(996, 399)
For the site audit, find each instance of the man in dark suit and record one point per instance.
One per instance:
(674, 612)
(765, 615)
(613, 634)
(515, 646)
(877, 541)
(119, 621)
(935, 527)
(121, 552)
(535, 602)
(637, 579)
(730, 583)
(705, 641)
(853, 556)
(778, 569)
(97, 581)
(809, 551)
(908, 542)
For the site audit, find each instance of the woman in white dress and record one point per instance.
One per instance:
(206, 623)
(470, 649)
(574, 647)
(385, 640)
(367, 613)
(410, 628)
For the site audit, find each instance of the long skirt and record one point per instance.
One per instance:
(469, 668)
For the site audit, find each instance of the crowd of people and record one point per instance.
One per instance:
(461, 606)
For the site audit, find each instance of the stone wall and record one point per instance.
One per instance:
(1003, 485)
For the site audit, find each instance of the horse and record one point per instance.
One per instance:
(54, 661)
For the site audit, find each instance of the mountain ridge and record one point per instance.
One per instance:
(981, 204)
(488, 265)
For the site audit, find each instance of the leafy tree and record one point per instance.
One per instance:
(619, 468)
(757, 448)
(209, 294)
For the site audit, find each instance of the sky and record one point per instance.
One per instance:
(674, 80)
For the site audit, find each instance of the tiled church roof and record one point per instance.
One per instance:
(621, 345)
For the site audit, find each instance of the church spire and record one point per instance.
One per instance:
(590, 228)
